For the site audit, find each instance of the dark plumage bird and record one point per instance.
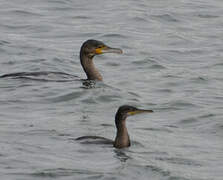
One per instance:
(122, 139)
(88, 50)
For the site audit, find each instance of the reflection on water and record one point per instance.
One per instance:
(121, 155)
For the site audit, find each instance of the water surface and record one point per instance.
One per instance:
(172, 63)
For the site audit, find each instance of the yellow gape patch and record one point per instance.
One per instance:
(101, 50)
(98, 50)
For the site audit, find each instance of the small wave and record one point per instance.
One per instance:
(58, 172)
(164, 90)
(209, 115)
(179, 104)
(156, 129)
(207, 16)
(177, 178)
(149, 63)
(108, 98)
(159, 170)
(87, 34)
(41, 132)
(189, 120)
(199, 79)
(2, 42)
(180, 161)
(106, 125)
(48, 76)
(112, 64)
(68, 96)
(38, 59)
(25, 13)
(157, 66)
(119, 36)
(166, 17)
(82, 17)
(140, 19)
(196, 51)
(215, 65)
(144, 61)
(220, 127)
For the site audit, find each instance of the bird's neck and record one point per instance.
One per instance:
(122, 137)
(89, 68)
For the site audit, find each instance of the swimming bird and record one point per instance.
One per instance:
(122, 138)
(89, 49)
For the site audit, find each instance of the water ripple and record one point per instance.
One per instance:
(69, 97)
(118, 36)
(180, 161)
(61, 172)
(25, 13)
(166, 17)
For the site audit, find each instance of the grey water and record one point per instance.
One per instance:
(172, 63)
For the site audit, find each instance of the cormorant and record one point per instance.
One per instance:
(122, 139)
(88, 50)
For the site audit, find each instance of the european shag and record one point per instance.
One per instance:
(88, 50)
(122, 139)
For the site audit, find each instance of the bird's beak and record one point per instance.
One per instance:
(138, 111)
(107, 49)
